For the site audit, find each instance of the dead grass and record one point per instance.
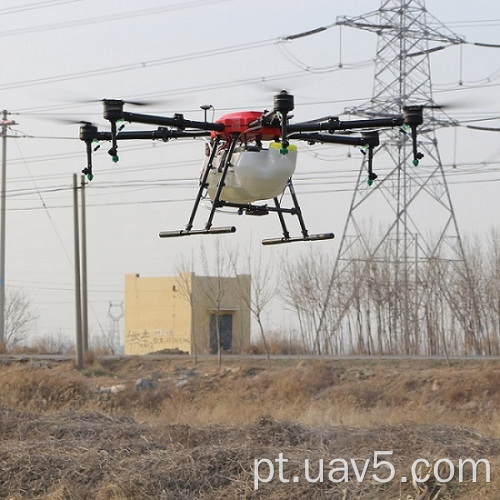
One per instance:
(67, 435)
(95, 456)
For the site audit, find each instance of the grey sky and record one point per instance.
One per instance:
(184, 54)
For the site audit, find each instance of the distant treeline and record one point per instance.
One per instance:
(385, 303)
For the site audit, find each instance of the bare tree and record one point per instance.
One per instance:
(492, 290)
(263, 289)
(18, 317)
(215, 288)
(185, 270)
(303, 286)
(447, 307)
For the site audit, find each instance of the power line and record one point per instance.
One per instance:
(35, 6)
(137, 65)
(474, 24)
(107, 19)
(45, 207)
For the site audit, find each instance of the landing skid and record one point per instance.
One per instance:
(310, 237)
(184, 232)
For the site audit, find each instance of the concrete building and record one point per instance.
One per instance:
(183, 312)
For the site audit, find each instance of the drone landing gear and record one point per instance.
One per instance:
(208, 229)
(293, 211)
(254, 210)
(259, 210)
(185, 232)
(248, 208)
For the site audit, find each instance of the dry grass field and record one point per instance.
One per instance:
(195, 431)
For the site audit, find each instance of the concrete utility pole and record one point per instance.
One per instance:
(3, 193)
(81, 293)
(78, 287)
(85, 300)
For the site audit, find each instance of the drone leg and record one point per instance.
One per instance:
(216, 201)
(286, 233)
(203, 184)
(298, 211)
(113, 152)
(294, 211)
(88, 169)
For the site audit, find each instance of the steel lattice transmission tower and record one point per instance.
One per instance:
(401, 230)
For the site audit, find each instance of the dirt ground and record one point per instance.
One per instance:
(172, 429)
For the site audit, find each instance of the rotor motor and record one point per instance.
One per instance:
(283, 102)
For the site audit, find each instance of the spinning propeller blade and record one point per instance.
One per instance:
(140, 102)
(485, 129)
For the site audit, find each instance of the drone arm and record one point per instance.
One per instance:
(332, 124)
(368, 139)
(371, 123)
(177, 121)
(90, 134)
(412, 117)
(161, 133)
(113, 112)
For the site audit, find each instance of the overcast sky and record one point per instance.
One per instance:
(58, 56)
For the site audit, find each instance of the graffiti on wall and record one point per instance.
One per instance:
(145, 341)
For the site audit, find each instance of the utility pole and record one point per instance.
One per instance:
(3, 193)
(85, 313)
(78, 296)
(81, 293)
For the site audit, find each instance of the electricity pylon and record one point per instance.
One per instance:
(115, 314)
(409, 203)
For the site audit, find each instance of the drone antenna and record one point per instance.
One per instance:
(205, 108)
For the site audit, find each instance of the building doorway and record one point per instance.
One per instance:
(225, 332)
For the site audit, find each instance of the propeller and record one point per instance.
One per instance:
(272, 84)
(140, 102)
(389, 113)
(485, 129)
(69, 121)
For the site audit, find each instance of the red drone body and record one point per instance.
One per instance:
(239, 123)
